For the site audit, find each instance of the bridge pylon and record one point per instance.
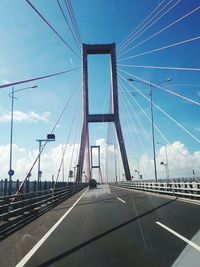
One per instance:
(96, 49)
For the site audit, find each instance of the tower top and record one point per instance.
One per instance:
(99, 48)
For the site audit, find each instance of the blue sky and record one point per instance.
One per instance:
(28, 48)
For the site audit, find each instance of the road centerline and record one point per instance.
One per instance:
(121, 200)
(179, 236)
(27, 257)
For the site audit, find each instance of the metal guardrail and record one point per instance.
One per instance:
(188, 190)
(16, 211)
(10, 187)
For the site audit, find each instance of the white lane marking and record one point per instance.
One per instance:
(43, 239)
(189, 256)
(190, 201)
(180, 236)
(121, 200)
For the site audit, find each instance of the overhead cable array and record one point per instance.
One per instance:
(127, 39)
(138, 33)
(68, 25)
(53, 128)
(162, 30)
(166, 114)
(52, 28)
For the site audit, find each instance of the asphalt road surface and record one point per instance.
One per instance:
(106, 227)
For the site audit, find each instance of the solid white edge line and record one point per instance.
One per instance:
(180, 236)
(43, 239)
(121, 200)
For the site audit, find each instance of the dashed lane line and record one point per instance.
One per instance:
(179, 236)
(190, 201)
(121, 200)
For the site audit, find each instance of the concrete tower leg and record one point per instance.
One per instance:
(95, 118)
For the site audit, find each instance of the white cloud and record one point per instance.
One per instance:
(30, 116)
(50, 161)
(181, 162)
(5, 81)
(22, 159)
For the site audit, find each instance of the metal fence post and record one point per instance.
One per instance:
(1, 187)
(5, 187)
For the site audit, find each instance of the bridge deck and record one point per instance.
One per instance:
(110, 226)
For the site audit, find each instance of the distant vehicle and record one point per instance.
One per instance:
(92, 183)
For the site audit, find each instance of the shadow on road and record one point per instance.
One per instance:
(71, 251)
(109, 199)
(104, 200)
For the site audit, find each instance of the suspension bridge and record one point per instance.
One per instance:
(123, 112)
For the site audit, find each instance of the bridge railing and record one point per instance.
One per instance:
(187, 189)
(18, 210)
(10, 187)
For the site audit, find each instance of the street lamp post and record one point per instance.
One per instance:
(11, 94)
(11, 171)
(115, 163)
(151, 86)
(106, 161)
(63, 166)
(138, 167)
(50, 137)
(39, 172)
(153, 135)
(167, 162)
(115, 159)
(74, 173)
